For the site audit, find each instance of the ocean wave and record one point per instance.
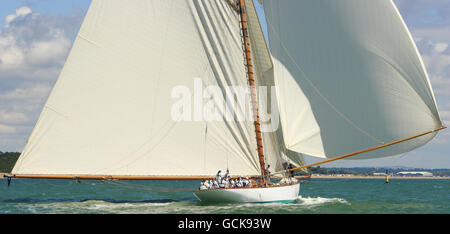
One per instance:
(92, 206)
(317, 201)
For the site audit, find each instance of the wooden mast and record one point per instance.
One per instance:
(251, 79)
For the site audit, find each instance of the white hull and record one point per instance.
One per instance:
(286, 193)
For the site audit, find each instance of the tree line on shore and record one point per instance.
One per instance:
(7, 161)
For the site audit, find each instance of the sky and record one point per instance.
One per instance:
(36, 37)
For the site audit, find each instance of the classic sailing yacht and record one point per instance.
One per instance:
(350, 83)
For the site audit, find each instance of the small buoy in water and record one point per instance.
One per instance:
(387, 179)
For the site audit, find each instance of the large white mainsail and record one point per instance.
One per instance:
(350, 77)
(110, 110)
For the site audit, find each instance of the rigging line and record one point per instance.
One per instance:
(162, 58)
(318, 91)
(396, 159)
(129, 186)
(212, 140)
(89, 41)
(224, 112)
(227, 161)
(205, 145)
(133, 186)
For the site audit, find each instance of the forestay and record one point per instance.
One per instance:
(110, 110)
(350, 78)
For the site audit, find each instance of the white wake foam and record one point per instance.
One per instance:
(317, 201)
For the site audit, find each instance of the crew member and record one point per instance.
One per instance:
(268, 174)
(219, 177)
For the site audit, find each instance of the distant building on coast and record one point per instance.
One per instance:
(415, 173)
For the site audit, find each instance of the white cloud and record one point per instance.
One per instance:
(20, 107)
(46, 52)
(436, 56)
(33, 46)
(28, 91)
(12, 117)
(445, 115)
(441, 47)
(23, 11)
(429, 22)
(33, 49)
(7, 129)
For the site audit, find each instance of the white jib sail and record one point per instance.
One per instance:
(110, 112)
(274, 147)
(350, 77)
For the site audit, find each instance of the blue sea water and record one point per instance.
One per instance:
(317, 196)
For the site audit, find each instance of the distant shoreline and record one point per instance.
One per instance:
(376, 177)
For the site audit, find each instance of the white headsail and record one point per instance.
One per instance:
(350, 77)
(274, 146)
(110, 110)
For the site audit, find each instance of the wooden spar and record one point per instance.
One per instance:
(368, 150)
(106, 178)
(251, 79)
